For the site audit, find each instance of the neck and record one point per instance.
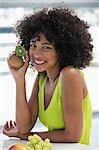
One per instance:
(53, 77)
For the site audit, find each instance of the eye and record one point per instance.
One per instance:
(32, 45)
(46, 47)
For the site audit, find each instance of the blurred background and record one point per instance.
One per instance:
(10, 12)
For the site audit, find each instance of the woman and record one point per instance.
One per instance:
(59, 45)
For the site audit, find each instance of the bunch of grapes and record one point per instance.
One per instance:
(36, 143)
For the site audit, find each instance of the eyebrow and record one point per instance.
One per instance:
(47, 43)
(42, 43)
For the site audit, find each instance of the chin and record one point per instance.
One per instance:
(40, 69)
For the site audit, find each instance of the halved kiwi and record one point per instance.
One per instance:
(20, 51)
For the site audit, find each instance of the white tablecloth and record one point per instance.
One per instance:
(5, 142)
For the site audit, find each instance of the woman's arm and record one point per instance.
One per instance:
(72, 86)
(26, 112)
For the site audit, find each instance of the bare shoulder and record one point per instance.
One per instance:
(72, 81)
(70, 73)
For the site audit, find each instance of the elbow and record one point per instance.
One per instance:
(73, 137)
(77, 134)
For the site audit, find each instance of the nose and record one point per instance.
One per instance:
(37, 53)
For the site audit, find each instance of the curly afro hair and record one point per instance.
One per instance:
(64, 29)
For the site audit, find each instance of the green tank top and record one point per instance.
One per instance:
(52, 117)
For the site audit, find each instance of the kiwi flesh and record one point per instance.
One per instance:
(15, 61)
(20, 51)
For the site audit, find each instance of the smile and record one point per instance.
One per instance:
(39, 62)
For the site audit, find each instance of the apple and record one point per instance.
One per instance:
(17, 146)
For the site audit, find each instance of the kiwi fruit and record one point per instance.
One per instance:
(20, 51)
(16, 59)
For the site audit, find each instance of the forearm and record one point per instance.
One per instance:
(23, 119)
(55, 136)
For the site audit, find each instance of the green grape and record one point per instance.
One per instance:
(30, 138)
(30, 144)
(50, 146)
(41, 143)
(45, 148)
(44, 144)
(47, 140)
(47, 145)
(38, 138)
(33, 140)
(29, 148)
(36, 143)
(38, 147)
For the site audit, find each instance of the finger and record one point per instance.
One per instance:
(11, 124)
(14, 123)
(26, 61)
(6, 125)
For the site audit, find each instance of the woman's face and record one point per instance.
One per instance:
(42, 53)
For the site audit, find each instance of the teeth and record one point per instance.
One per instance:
(39, 62)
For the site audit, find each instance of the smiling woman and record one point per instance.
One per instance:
(89, 11)
(59, 45)
(42, 53)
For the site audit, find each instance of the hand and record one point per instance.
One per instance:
(10, 129)
(19, 73)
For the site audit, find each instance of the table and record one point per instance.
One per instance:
(5, 142)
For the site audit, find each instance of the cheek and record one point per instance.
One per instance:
(54, 57)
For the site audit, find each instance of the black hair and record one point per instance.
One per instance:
(62, 27)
